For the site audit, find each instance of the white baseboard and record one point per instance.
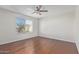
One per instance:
(50, 36)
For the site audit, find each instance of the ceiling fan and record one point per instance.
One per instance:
(38, 9)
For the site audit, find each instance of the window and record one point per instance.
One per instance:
(23, 25)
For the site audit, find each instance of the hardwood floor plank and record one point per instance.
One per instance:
(39, 45)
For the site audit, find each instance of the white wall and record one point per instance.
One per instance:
(76, 27)
(58, 27)
(8, 27)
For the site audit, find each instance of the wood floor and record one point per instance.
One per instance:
(39, 45)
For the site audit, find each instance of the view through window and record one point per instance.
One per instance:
(23, 25)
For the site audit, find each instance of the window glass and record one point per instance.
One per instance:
(23, 25)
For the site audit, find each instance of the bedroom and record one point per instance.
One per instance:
(54, 31)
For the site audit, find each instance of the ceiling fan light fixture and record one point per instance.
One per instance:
(38, 9)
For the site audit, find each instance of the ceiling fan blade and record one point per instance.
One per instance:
(33, 12)
(43, 10)
(39, 6)
(39, 13)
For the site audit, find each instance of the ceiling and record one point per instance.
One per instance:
(52, 9)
